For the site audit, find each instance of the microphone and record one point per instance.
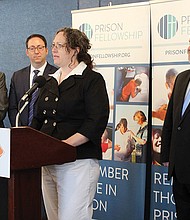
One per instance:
(39, 82)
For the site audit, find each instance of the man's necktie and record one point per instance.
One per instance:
(33, 99)
(186, 102)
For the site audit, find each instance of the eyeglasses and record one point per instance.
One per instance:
(58, 46)
(39, 48)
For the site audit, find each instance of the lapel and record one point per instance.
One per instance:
(71, 81)
(47, 70)
(52, 85)
(26, 78)
(67, 84)
(183, 87)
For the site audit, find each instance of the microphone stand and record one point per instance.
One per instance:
(20, 111)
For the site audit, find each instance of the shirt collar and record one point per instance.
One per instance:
(41, 69)
(78, 70)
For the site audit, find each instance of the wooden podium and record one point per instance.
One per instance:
(30, 150)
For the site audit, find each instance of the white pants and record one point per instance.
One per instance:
(69, 189)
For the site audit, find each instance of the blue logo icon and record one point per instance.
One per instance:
(86, 28)
(168, 26)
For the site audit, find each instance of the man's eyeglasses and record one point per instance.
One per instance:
(58, 46)
(39, 48)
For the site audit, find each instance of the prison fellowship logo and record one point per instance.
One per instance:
(86, 28)
(168, 26)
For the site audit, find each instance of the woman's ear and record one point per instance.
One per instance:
(77, 50)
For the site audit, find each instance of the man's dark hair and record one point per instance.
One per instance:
(36, 35)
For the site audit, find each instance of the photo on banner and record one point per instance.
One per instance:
(132, 84)
(163, 79)
(130, 142)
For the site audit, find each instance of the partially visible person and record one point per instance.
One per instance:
(3, 181)
(156, 146)
(3, 98)
(175, 143)
(144, 86)
(141, 136)
(162, 104)
(106, 143)
(124, 143)
(131, 89)
(73, 106)
(170, 80)
(21, 81)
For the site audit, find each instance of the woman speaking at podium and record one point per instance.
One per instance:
(73, 107)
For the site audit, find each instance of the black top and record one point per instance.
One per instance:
(79, 104)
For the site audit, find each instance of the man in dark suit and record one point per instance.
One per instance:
(21, 81)
(176, 143)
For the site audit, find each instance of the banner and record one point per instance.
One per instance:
(120, 38)
(170, 39)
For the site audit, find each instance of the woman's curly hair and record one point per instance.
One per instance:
(77, 39)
